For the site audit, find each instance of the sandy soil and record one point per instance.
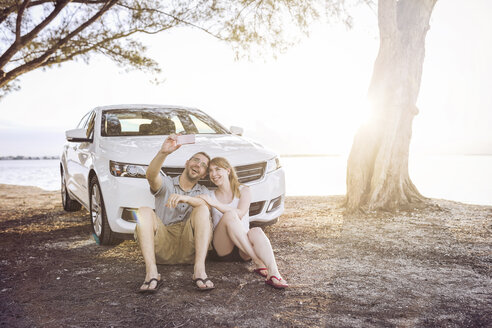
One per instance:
(430, 267)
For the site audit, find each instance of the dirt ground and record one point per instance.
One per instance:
(427, 268)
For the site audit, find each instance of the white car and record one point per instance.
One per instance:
(105, 158)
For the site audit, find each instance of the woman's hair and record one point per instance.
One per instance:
(223, 163)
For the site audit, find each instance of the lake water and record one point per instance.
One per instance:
(466, 179)
(40, 173)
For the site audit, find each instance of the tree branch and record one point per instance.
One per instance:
(22, 41)
(40, 60)
(97, 45)
(7, 11)
(175, 18)
(371, 4)
(18, 23)
(58, 7)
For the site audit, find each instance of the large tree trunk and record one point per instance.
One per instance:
(377, 168)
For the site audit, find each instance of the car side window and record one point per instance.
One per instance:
(90, 125)
(83, 121)
(201, 126)
(178, 124)
(187, 124)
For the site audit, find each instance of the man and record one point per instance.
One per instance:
(180, 229)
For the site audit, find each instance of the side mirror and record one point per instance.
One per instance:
(77, 135)
(237, 130)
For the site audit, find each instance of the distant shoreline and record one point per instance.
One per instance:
(21, 157)
(311, 155)
(3, 158)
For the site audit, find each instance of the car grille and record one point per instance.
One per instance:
(256, 208)
(252, 172)
(129, 214)
(245, 173)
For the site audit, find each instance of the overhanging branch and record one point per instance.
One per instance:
(22, 41)
(175, 18)
(97, 45)
(40, 60)
(7, 11)
(18, 22)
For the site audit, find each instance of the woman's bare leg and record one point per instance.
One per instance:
(255, 244)
(230, 232)
(263, 249)
(223, 245)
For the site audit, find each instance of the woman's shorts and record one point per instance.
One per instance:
(233, 256)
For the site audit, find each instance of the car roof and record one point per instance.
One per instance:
(145, 106)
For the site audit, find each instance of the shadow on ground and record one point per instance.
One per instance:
(426, 268)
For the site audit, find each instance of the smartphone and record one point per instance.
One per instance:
(185, 139)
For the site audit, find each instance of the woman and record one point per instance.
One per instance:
(233, 239)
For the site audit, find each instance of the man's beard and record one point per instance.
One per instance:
(188, 175)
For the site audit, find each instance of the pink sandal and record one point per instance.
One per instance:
(278, 286)
(259, 272)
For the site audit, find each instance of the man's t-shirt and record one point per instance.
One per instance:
(183, 210)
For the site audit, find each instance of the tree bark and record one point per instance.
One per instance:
(377, 168)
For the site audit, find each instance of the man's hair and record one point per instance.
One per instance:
(202, 153)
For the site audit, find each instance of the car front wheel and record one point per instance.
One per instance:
(99, 220)
(69, 204)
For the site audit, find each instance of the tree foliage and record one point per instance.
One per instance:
(42, 33)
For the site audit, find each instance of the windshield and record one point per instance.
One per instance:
(146, 122)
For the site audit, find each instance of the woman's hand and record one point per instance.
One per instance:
(207, 199)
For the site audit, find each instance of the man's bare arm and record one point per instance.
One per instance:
(153, 171)
(175, 199)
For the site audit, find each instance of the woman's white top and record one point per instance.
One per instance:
(217, 215)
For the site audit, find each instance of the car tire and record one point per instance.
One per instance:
(99, 220)
(69, 204)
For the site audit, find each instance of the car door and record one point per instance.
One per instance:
(79, 161)
(71, 158)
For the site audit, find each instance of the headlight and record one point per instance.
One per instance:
(127, 170)
(273, 164)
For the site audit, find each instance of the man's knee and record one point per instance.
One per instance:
(145, 211)
(146, 222)
(145, 215)
(200, 213)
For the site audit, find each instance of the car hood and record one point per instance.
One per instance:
(141, 150)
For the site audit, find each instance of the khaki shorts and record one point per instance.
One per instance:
(175, 243)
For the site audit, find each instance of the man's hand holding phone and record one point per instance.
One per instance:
(185, 139)
(174, 141)
(169, 145)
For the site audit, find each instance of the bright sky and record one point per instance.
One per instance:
(309, 100)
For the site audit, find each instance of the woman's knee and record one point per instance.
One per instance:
(255, 233)
(230, 217)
